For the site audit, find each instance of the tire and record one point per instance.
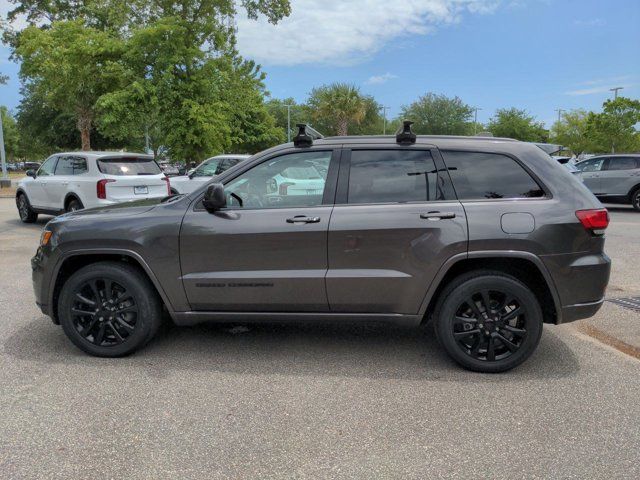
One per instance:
(128, 313)
(74, 205)
(27, 215)
(498, 341)
(635, 200)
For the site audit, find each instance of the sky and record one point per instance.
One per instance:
(539, 55)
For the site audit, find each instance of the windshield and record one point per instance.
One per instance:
(128, 166)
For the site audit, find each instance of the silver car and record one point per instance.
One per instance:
(613, 178)
(204, 172)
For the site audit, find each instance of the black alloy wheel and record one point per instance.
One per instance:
(488, 321)
(109, 309)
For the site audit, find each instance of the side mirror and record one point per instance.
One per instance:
(191, 172)
(214, 197)
(31, 173)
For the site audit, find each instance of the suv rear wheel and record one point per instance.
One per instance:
(27, 215)
(488, 321)
(635, 199)
(109, 309)
(73, 205)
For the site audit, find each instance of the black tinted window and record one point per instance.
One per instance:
(129, 166)
(71, 166)
(622, 163)
(487, 175)
(390, 176)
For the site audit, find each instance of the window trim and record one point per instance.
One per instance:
(328, 196)
(54, 159)
(548, 195)
(342, 192)
(608, 160)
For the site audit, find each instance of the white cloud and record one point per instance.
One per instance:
(592, 22)
(6, 7)
(594, 90)
(344, 32)
(380, 79)
(603, 85)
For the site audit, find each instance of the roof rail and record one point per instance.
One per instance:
(306, 135)
(404, 135)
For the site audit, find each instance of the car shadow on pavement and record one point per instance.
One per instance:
(371, 350)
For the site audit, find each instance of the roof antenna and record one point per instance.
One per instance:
(302, 139)
(404, 135)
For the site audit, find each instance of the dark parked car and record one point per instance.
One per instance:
(613, 178)
(488, 238)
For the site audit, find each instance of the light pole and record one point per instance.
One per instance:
(559, 110)
(384, 120)
(615, 91)
(475, 120)
(2, 154)
(289, 105)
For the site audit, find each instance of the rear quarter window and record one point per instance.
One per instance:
(477, 175)
(128, 166)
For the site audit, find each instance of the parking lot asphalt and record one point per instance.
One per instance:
(309, 401)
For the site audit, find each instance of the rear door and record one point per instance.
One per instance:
(619, 175)
(267, 250)
(132, 178)
(396, 221)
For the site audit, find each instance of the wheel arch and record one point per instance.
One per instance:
(633, 190)
(75, 260)
(71, 196)
(525, 266)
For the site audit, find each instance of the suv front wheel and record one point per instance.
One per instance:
(109, 309)
(488, 321)
(27, 215)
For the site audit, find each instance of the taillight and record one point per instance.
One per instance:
(101, 187)
(166, 179)
(596, 220)
(282, 191)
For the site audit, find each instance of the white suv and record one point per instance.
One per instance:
(71, 181)
(204, 172)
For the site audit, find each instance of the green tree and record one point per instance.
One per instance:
(517, 124)
(10, 132)
(615, 128)
(45, 130)
(434, 114)
(337, 107)
(70, 66)
(571, 131)
(277, 108)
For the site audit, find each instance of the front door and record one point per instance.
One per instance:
(395, 223)
(267, 250)
(38, 188)
(591, 173)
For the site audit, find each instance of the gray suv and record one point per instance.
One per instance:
(487, 238)
(613, 178)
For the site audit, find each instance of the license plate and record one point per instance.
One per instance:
(140, 190)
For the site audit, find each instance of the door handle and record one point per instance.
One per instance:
(437, 215)
(303, 219)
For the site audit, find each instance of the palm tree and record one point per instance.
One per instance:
(338, 104)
